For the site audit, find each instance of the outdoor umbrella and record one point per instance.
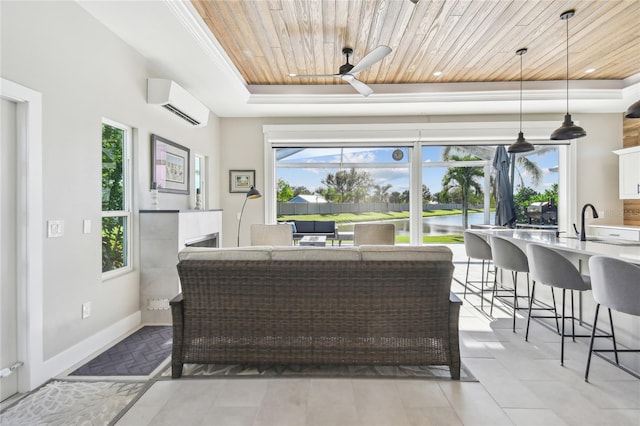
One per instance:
(505, 211)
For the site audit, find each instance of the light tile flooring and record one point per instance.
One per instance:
(520, 383)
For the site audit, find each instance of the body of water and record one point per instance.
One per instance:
(438, 225)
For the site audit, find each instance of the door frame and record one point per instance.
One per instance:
(29, 232)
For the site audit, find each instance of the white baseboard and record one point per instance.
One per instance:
(78, 352)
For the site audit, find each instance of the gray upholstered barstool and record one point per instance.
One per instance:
(552, 268)
(508, 256)
(616, 285)
(477, 247)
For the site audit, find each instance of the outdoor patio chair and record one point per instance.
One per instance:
(271, 235)
(374, 234)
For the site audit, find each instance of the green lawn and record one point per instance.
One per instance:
(344, 218)
(368, 216)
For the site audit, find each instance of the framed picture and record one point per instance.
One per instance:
(241, 180)
(169, 166)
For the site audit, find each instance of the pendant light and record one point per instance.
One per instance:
(568, 130)
(520, 145)
(633, 111)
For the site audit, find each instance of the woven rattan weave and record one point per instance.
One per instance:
(315, 312)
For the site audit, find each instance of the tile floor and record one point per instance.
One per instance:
(520, 383)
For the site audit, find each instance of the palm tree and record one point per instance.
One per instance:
(523, 164)
(463, 180)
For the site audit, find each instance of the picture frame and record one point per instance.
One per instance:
(169, 166)
(241, 180)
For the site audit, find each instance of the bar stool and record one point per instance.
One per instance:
(508, 256)
(616, 285)
(553, 269)
(477, 247)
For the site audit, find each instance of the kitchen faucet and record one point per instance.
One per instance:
(582, 234)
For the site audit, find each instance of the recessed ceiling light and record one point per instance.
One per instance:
(437, 73)
(590, 70)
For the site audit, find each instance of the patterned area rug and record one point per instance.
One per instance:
(137, 355)
(326, 371)
(60, 402)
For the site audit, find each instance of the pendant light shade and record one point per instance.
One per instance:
(568, 130)
(521, 144)
(633, 111)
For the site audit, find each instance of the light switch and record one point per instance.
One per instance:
(86, 226)
(55, 228)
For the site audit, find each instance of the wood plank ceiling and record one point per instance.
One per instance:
(465, 40)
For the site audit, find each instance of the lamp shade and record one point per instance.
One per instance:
(520, 145)
(567, 130)
(253, 193)
(633, 111)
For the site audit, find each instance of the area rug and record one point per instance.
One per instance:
(137, 355)
(61, 402)
(319, 371)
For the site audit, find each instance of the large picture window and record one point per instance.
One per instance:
(116, 198)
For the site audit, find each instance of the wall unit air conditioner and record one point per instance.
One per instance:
(174, 98)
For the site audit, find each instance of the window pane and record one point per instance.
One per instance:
(114, 247)
(345, 184)
(112, 168)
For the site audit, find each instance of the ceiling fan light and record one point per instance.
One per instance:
(568, 130)
(520, 145)
(633, 111)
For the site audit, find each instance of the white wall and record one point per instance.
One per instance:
(85, 73)
(243, 148)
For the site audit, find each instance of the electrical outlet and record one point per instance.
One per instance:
(86, 310)
(86, 226)
(55, 228)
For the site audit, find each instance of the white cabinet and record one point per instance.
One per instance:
(629, 159)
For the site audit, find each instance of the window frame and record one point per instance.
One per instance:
(417, 135)
(126, 213)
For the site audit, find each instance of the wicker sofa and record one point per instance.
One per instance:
(367, 305)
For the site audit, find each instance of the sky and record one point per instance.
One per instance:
(392, 174)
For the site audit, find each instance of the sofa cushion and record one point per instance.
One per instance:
(375, 252)
(315, 253)
(326, 227)
(232, 253)
(304, 226)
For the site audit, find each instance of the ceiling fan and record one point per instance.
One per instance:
(348, 71)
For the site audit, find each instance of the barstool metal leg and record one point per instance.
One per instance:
(573, 320)
(593, 336)
(533, 291)
(514, 275)
(466, 279)
(613, 337)
(555, 310)
(562, 334)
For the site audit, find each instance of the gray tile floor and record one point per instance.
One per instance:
(520, 383)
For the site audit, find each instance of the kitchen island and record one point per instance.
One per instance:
(578, 252)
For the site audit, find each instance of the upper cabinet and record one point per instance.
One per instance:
(629, 172)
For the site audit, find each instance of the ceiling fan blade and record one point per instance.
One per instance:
(362, 88)
(371, 58)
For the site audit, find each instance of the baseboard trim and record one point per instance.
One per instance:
(78, 352)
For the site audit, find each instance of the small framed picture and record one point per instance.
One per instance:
(241, 180)
(169, 166)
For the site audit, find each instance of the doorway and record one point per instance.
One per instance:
(8, 277)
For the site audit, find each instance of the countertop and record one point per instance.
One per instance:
(624, 250)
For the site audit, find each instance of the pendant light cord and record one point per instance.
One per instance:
(521, 93)
(567, 65)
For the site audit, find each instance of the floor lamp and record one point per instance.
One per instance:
(251, 195)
